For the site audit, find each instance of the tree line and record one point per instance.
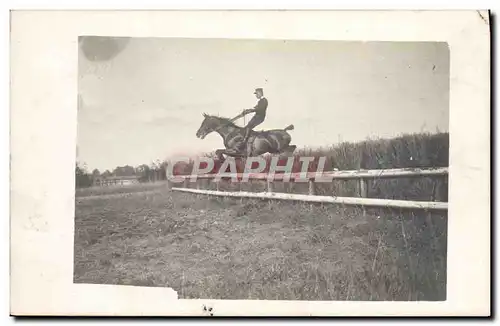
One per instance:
(156, 171)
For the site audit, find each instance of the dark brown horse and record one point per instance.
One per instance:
(276, 141)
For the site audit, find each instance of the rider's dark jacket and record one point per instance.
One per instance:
(260, 114)
(261, 107)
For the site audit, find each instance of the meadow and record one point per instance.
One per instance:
(245, 249)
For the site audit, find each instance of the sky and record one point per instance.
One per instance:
(142, 99)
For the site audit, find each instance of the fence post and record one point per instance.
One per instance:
(312, 188)
(440, 190)
(169, 183)
(363, 193)
(186, 182)
(269, 185)
(363, 188)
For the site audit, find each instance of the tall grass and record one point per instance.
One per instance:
(405, 151)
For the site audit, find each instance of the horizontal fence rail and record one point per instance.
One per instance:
(347, 174)
(312, 178)
(373, 202)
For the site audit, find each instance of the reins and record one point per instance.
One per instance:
(227, 122)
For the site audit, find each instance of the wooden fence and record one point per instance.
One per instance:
(312, 178)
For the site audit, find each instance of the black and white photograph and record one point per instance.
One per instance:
(372, 116)
(238, 163)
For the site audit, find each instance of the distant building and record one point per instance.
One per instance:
(101, 181)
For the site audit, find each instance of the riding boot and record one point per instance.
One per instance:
(247, 134)
(245, 139)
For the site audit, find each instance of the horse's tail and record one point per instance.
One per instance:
(290, 127)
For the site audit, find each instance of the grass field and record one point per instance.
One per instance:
(244, 249)
(117, 190)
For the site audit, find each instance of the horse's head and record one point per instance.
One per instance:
(209, 124)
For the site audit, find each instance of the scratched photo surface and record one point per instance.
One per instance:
(373, 116)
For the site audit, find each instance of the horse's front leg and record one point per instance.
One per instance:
(220, 154)
(233, 152)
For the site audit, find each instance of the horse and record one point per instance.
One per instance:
(275, 141)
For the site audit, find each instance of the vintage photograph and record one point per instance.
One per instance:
(263, 169)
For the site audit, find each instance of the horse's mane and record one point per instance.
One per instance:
(224, 120)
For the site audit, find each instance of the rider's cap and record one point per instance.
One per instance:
(258, 90)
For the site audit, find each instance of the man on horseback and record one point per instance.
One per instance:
(235, 138)
(260, 114)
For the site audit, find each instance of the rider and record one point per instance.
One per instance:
(260, 113)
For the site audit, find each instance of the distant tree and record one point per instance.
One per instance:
(163, 170)
(82, 177)
(153, 171)
(106, 174)
(143, 171)
(124, 171)
(96, 173)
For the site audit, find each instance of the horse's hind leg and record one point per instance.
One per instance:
(229, 152)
